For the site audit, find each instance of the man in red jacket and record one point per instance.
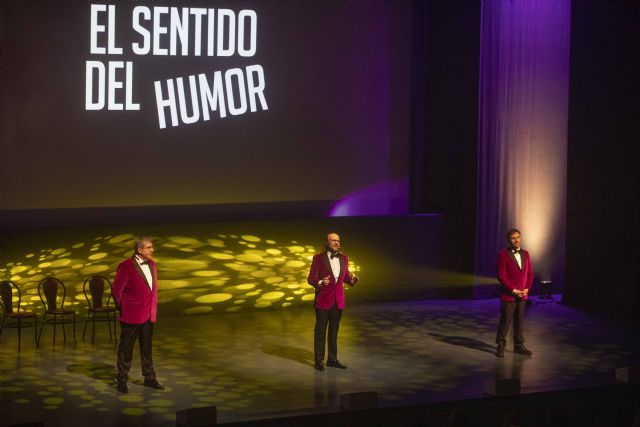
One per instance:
(328, 274)
(135, 290)
(515, 274)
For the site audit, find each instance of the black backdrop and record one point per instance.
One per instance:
(603, 183)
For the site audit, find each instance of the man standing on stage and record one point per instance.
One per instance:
(515, 274)
(329, 271)
(135, 290)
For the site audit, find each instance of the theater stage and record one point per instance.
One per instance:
(259, 365)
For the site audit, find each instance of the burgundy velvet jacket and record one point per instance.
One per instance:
(511, 276)
(137, 303)
(332, 293)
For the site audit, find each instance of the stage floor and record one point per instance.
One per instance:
(260, 365)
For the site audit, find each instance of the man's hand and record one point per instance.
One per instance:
(325, 281)
(354, 279)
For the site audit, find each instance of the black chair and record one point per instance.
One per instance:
(96, 311)
(50, 286)
(15, 317)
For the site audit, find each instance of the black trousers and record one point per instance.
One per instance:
(511, 311)
(129, 333)
(326, 318)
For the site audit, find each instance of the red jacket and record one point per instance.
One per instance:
(511, 276)
(136, 301)
(333, 293)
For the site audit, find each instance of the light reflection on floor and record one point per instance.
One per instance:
(258, 364)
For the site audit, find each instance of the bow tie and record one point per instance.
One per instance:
(144, 262)
(516, 252)
(336, 255)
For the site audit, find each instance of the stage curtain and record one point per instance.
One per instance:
(522, 147)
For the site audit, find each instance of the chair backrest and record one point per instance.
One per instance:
(49, 286)
(96, 289)
(6, 296)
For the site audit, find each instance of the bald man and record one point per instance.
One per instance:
(328, 274)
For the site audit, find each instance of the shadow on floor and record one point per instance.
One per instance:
(299, 355)
(466, 342)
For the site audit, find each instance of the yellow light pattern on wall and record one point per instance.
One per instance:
(220, 273)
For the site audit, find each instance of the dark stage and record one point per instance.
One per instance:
(259, 365)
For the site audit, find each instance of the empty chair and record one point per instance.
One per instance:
(96, 310)
(48, 290)
(13, 317)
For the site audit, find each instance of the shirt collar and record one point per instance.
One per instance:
(140, 260)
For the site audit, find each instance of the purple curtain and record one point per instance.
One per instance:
(522, 147)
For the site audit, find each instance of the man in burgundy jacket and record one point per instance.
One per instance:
(515, 274)
(135, 290)
(328, 274)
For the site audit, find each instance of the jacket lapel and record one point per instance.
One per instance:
(154, 279)
(141, 273)
(513, 258)
(327, 264)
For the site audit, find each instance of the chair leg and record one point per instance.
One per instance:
(4, 316)
(74, 328)
(109, 324)
(55, 326)
(35, 331)
(86, 322)
(19, 332)
(93, 330)
(44, 321)
(64, 331)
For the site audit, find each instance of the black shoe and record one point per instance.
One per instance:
(500, 351)
(122, 387)
(153, 384)
(336, 364)
(318, 366)
(520, 349)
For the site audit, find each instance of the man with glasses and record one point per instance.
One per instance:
(135, 290)
(328, 274)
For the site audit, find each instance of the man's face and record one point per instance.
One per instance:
(146, 250)
(514, 241)
(333, 242)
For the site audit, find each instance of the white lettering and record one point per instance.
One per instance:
(228, 29)
(111, 43)
(210, 26)
(89, 103)
(207, 96)
(198, 13)
(179, 29)
(256, 89)
(253, 32)
(129, 104)
(186, 118)
(163, 103)
(95, 28)
(158, 30)
(227, 33)
(242, 98)
(214, 97)
(146, 45)
(113, 85)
